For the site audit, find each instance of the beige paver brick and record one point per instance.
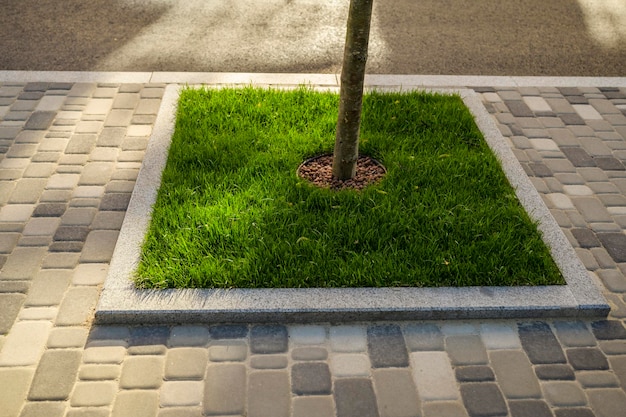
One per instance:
(67, 337)
(63, 181)
(16, 212)
(55, 375)
(38, 313)
(618, 365)
(444, 408)
(225, 389)
(48, 287)
(77, 306)
(41, 226)
(90, 274)
(181, 393)
(78, 216)
(93, 393)
(104, 354)
(98, 106)
(28, 190)
(47, 409)
(396, 394)
(90, 372)
(139, 130)
(145, 372)
(314, 406)
(307, 335)
(597, 379)
(23, 263)
(136, 403)
(228, 351)
(25, 343)
(563, 393)
(268, 361)
(433, 376)
(14, 383)
(97, 173)
(185, 363)
(99, 246)
(350, 364)
(607, 402)
(466, 350)
(269, 394)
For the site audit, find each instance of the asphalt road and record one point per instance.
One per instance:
(456, 37)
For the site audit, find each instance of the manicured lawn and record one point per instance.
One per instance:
(231, 211)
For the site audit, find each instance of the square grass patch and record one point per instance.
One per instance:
(232, 213)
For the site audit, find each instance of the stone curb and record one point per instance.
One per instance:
(120, 300)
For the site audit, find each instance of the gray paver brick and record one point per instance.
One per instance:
(185, 363)
(135, 403)
(608, 330)
(396, 393)
(348, 338)
(188, 336)
(23, 263)
(574, 333)
(555, 372)
(386, 346)
(618, 365)
(228, 351)
(587, 359)
(11, 305)
(225, 389)
(40, 120)
(540, 343)
(483, 399)
(312, 353)
(444, 408)
(529, 408)
(355, 397)
(268, 339)
(598, 379)
(564, 393)
(607, 403)
(99, 246)
(268, 361)
(615, 245)
(269, 394)
(478, 373)
(310, 378)
(514, 374)
(55, 375)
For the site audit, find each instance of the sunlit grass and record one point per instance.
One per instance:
(231, 211)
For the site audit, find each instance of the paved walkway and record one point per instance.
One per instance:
(69, 156)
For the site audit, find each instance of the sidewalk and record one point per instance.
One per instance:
(70, 153)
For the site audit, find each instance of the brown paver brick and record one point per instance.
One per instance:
(514, 374)
(225, 389)
(269, 394)
(396, 394)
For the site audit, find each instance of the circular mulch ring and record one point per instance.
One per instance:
(318, 170)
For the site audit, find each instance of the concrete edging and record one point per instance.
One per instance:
(120, 302)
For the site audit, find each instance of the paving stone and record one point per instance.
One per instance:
(433, 376)
(111, 136)
(118, 118)
(144, 372)
(587, 112)
(48, 287)
(608, 330)
(225, 390)
(563, 394)
(350, 364)
(115, 202)
(478, 373)
(99, 246)
(27, 190)
(386, 346)
(618, 365)
(228, 351)
(269, 394)
(135, 403)
(14, 383)
(268, 361)
(228, 331)
(615, 245)
(55, 375)
(570, 119)
(466, 350)
(77, 306)
(312, 353)
(188, 336)
(317, 406)
(423, 337)
(16, 212)
(47, 409)
(574, 412)
(93, 393)
(592, 209)
(348, 338)
(540, 343)
(180, 412)
(96, 173)
(104, 354)
(90, 274)
(17, 287)
(607, 403)
(597, 379)
(355, 397)
(40, 120)
(529, 408)
(185, 363)
(396, 394)
(181, 393)
(148, 340)
(99, 372)
(540, 170)
(307, 335)
(108, 220)
(483, 399)
(514, 374)
(574, 333)
(443, 408)
(586, 238)
(555, 372)
(25, 343)
(11, 305)
(60, 260)
(310, 378)
(268, 339)
(587, 359)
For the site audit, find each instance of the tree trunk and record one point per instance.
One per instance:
(346, 150)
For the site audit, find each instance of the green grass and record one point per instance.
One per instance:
(231, 211)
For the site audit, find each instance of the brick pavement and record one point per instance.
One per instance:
(69, 156)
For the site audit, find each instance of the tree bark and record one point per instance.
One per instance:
(346, 152)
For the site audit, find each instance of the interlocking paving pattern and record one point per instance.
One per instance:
(69, 157)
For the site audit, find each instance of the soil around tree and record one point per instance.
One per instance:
(318, 170)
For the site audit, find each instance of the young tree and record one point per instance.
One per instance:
(346, 152)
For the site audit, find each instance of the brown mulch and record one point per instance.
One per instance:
(318, 170)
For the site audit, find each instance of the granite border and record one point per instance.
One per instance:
(120, 302)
